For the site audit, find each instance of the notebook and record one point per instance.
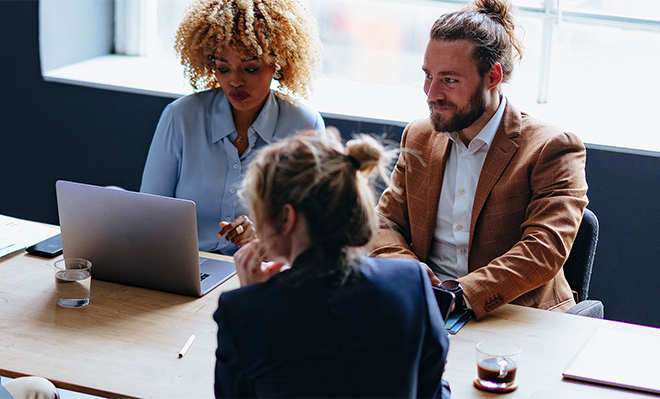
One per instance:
(137, 239)
(618, 358)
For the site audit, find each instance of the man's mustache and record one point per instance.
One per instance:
(440, 103)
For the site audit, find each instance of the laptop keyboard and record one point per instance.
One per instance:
(202, 276)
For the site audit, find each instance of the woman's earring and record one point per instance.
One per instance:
(278, 75)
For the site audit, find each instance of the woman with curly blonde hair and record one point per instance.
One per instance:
(232, 50)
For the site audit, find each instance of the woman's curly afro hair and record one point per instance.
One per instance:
(281, 33)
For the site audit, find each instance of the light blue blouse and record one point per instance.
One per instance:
(192, 155)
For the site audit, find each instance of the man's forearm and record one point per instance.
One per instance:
(389, 243)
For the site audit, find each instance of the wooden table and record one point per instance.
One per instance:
(549, 340)
(126, 341)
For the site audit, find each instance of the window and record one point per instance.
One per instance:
(587, 64)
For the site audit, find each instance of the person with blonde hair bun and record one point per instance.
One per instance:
(232, 51)
(335, 323)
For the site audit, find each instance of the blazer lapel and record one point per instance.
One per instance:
(502, 149)
(436, 164)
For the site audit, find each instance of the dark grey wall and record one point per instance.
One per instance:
(52, 131)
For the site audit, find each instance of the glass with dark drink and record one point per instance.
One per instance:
(497, 364)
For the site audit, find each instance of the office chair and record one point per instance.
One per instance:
(579, 265)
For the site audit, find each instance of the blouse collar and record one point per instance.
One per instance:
(222, 123)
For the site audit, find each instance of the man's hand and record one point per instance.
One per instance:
(435, 281)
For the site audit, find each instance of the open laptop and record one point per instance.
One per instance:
(619, 358)
(137, 239)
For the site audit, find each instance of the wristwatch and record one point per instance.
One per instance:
(456, 288)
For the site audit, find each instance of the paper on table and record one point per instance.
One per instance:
(16, 234)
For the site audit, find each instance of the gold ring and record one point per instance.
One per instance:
(240, 229)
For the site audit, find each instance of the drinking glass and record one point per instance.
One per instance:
(73, 281)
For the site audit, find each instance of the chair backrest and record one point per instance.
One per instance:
(579, 264)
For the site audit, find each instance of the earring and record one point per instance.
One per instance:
(278, 75)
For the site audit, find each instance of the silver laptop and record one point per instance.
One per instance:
(622, 359)
(137, 239)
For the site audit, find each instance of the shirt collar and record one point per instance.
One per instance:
(267, 119)
(487, 133)
(222, 123)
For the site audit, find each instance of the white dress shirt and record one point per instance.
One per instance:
(448, 256)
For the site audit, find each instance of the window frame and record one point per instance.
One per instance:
(130, 72)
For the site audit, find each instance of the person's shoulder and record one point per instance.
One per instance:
(419, 133)
(297, 112)
(541, 132)
(241, 300)
(421, 124)
(545, 133)
(200, 99)
(392, 269)
(188, 114)
(531, 123)
(293, 106)
(252, 290)
(395, 278)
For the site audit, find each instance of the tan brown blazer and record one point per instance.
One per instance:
(527, 210)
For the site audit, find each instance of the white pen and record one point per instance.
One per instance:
(186, 346)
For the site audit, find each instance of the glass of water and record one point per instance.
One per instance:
(73, 281)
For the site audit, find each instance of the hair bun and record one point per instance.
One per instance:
(366, 153)
(500, 9)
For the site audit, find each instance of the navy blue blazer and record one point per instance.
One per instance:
(377, 333)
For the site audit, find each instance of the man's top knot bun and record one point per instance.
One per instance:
(500, 10)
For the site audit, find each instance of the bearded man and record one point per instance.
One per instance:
(483, 194)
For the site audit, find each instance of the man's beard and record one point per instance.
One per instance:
(463, 117)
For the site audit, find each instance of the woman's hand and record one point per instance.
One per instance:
(250, 266)
(238, 235)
